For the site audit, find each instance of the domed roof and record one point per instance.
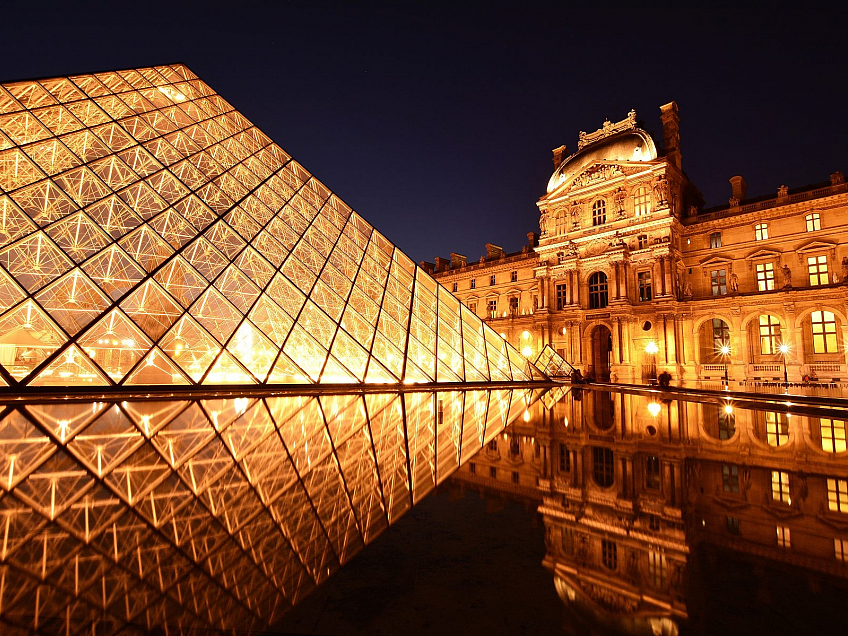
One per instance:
(632, 145)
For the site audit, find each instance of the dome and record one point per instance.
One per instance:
(632, 145)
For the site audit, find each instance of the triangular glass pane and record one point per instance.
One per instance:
(114, 216)
(253, 350)
(22, 448)
(286, 372)
(35, 261)
(216, 314)
(305, 351)
(73, 301)
(72, 367)
(65, 420)
(10, 293)
(78, 236)
(191, 347)
(156, 369)
(378, 374)
(227, 371)
(271, 320)
(116, 344)
(13, 222)
(146, 247)
(152, 309)
(27, 336)
(181, 280)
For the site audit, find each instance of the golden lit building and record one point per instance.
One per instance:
(630, 275)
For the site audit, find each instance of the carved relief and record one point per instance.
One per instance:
(618, 198)
(596, 174)
(609, 128)
(661, 189)
(610, 600)
(576, 212)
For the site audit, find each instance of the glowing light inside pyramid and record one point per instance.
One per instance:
(150, 234)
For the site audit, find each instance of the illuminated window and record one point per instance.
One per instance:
(777, 429)
(492, 279)
(473, 283)
(644, 283)
(642, 241)
(561, 298)
(602, 466)
(769, 334)
(721, 334)
(715, 239)
(824, 332)
(837, 495)
(726, 424)
(783, 537)
(564, 459)
(599, 212)
(732, 525)
(832, 435)
(718, 282)
(765, 276)
(598, 297)
(455, 287)
(657, 568)
(813, 222)
(780, 486)
(492, 308)
(840, 550)
(513, 276)
(562, 222)
(652, 472)
(817, 269)
(641, 201)
(761, 231)
(730, 478)
(609, 554)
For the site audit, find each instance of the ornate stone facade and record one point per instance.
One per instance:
(630, 275)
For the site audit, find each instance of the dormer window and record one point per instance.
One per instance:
(599, 212)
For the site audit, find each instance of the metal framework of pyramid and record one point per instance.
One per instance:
(151, 235)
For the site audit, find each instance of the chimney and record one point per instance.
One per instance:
(458, 260)
(671, 133)
(559, 156)
(532, 239)
(427, 267)
(442, 264)
(493, 251)
(739, 188)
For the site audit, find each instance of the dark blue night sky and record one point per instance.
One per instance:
(436, 120)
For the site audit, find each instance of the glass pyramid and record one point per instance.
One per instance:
(151, 235)
(551, 363)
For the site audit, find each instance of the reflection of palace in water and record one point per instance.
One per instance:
(630, 490)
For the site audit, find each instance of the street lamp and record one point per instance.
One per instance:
(784, 349)
(725, 352)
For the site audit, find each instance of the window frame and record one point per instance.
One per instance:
(644, 285)
(824, 332)
(718, 282)
(599, 212)
(769, 333)
(813, 219)
(765, 276)
(817, 270)
(715, 240)
(761, 232)
(561, 291)
(598, 284)
(641, 201)
(492, 308)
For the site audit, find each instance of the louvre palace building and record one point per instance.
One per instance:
(630, 275)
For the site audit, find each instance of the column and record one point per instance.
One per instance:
(617, 281)
(662, 274)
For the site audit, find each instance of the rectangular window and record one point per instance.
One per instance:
(765, 276)
(492, 279)
(560, 258)
(473, 307)
(641, 201)
(840, 550)
(733, 525)
(718, 281)
(730, 478)
(837, 495)
(514, 477)
(783, 537)
(513, 305)
(642, 241)
(652, 472)
(493, 472)
(715, 239)
(832, 435)
(492, 308)
(473, 468)
(609, 554)
(813, 222)
(777, 429)
(644, 280)
(564, 459)
(455, 287)
(780, 486)
(761, 231)
(473, 283)
(824, 332)
(657, 568)
(493, 446)
(513, 277)
(769, 334)
(817, 269)
(561, 297)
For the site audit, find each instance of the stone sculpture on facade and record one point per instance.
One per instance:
(787, 276)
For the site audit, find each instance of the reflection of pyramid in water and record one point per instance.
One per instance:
(150, 234)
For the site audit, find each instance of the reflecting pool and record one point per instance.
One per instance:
(512, 509)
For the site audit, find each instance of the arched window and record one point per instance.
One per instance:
(769, 334)
(641, 201)
(721, 335)
(603, 468)
(561, 219)
(599, 212)
(824, 332)
(598, 296)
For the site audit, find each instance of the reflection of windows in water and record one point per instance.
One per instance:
(733, 525)
(493, 472)
(564, 459)
(777, 429)
(473, 468)
(783, 537)
(609, 554)
(602, 409)
(726, 424)
(654, 522)
(568, 540)
(657, 570)
(602, 466)
(652, 472)
(780, 486)
(837, 495)
(730, 478)
(514, 477)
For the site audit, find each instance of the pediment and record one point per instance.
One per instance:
(718, 259)
(817, 245)
(762, 254)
